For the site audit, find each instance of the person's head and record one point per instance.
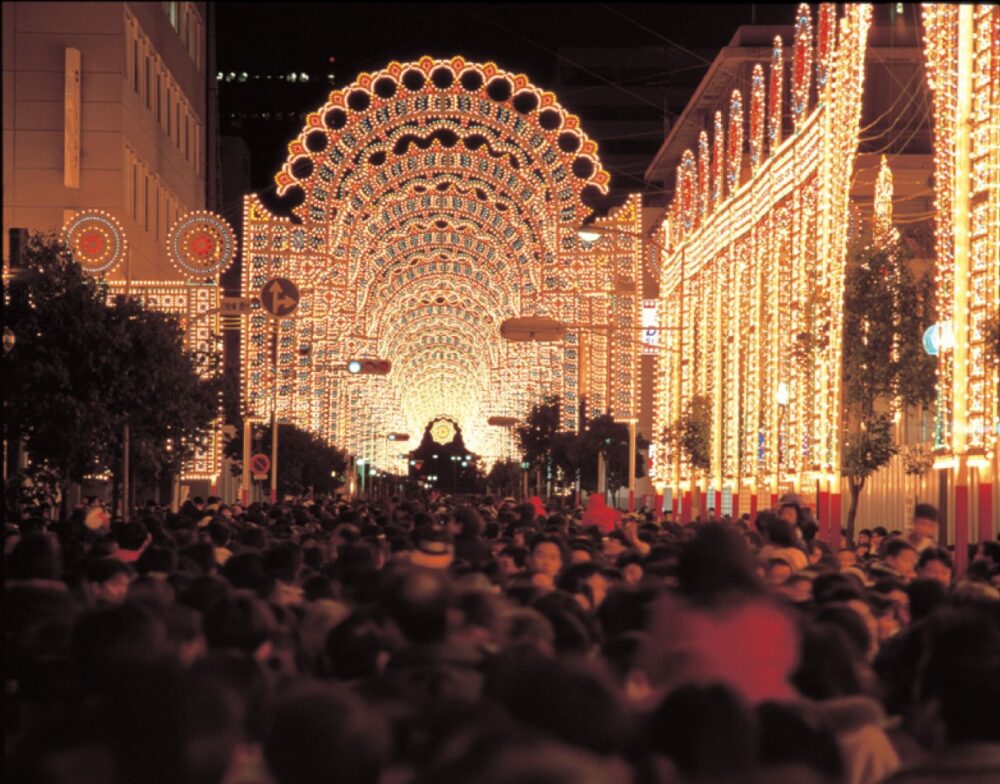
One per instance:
(581, 551)
(631, 566)
(935, 564)
(778, 571)
(322, 732)
(925, 596)
(156, 560)
(284, 562)
(797, 588)
(925, 521)
(434, 548)
(553, 696)
(108, 639)
(36, 556)
(219, 533)
(511, 559)
(707, 730)
(246, 570)
(418, 600)
(358, 647)
(846, 558)
(614, 544)
(586, 583)
(901, 557)
(547, 555)
(865, 536)
(778, 530)
(468, 522)
(240, 621)
(959, 683)
(108, 580)
(878, 534)
(851, 619)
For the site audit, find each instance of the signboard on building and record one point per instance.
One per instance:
(650, 328)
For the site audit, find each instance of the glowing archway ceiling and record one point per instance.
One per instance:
(443, 185)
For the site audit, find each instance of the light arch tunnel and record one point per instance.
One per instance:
(418, 209)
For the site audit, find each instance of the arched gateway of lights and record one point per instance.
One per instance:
(427, 203)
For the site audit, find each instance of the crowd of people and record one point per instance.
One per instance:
(474, 639)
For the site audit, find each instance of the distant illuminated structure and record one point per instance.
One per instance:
(420, 207)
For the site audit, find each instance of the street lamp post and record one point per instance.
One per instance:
(592, 233)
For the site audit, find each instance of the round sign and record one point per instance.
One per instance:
(932, 342)
(260, 463)
(443, 431)
(96, 240)
(201, 245)
(279, 296)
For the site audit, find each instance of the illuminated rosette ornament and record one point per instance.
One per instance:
(201, 245)
(96, 240)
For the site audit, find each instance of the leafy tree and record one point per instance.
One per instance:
(82, 368)
(67, 358)
(504, 477)
(168, 404)
(304, 460)
(691, 434)
(886, 311)
(576, 454)
(536, 436)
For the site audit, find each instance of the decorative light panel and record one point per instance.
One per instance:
(962, 56)
(749, 297)
(202, 245)
(96, 240)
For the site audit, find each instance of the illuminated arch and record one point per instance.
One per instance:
(417, 209)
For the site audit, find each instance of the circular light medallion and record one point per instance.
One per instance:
(202, 245)
(443, 431)
(96, 240)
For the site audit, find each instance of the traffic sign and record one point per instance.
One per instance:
(260, 463)
(280, 297)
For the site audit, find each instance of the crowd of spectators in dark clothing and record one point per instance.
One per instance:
(478, 640)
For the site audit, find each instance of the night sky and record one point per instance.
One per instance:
(271, 38)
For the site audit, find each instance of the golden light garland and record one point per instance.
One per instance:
(750, 297)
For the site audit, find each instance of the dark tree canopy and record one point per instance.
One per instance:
(305, 461)
(886, 310)
(82, 368)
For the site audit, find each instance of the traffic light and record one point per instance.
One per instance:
(398, 436)
(371, 367)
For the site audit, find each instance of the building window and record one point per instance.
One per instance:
(135, 65)
(145, 202)
(149, 82)
(135, 192)
(159, 96)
